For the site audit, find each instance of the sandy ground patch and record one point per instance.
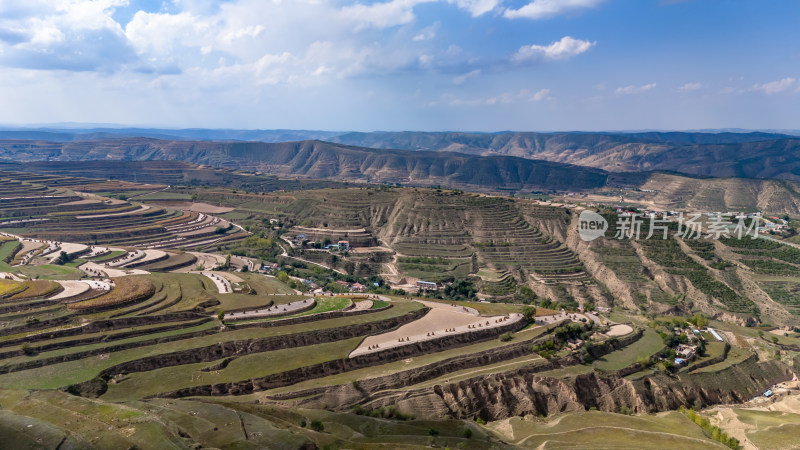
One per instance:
(222, 283)
(28, 246)
(68, 248)
(126, 259)
(95, 270)
(241, 261)
(71, 289)
(206, 260)
(275, 310)
(196, 207)
(371, 250)
(10, 276)
(503, 427)
(575, 317)
(362, 305)
(150, 255)
(230, 277)
(781, 331)
(97, 251)
(619, 329)
(109, 200)
(208, 208)
(442, 319)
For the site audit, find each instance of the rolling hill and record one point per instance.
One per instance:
(744, 155)
(188, 162)
(317, 159)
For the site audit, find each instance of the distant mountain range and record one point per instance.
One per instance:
(324, 160)
(751, 174)
(745, 155)
(198, 134)
(760, 155)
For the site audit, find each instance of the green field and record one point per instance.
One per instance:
(51, 272)
(647, 345)
(609, 430)
(62, 374)
(242, 368)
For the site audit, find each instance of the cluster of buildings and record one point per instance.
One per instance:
(685, 353)
(427, 285)
(352, 287)
(302, 239)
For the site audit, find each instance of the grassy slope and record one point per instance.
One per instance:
(59, 375)
(595, 429)
(649, 344)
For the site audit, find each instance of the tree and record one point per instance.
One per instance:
(317, 426)
(283, 277)
(529, 312)
(62, 259)
(221, 316)
(699, 320)
(526, 294)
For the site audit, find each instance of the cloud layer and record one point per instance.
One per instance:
(389, 64)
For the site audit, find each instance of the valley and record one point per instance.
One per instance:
(155, 308)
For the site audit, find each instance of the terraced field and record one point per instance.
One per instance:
(613, 430)
(153, 357)
(47, 207)
(668, 254)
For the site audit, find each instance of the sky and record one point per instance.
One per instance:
(427, 65)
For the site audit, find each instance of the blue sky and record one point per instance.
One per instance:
(483, 65)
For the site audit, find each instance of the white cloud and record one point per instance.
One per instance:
(380, 15)
(427, 33)
(62, 34)
(505, 98)
(542, 9)
(476, 7)
(536, 96)
(775, 87)
(462, 78)
(157, 33)
(690, 87)
(565, 48)
(401, 12)
(633, 89)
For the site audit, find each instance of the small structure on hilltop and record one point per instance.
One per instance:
(427, 285)
(715, 334)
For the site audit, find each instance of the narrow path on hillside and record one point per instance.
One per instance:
(285, 254)
(148, 193)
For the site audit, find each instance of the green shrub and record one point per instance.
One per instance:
(529, 312)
